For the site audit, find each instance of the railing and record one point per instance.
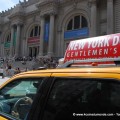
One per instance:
(69, 63)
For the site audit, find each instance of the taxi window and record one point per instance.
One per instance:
(72, 98)
(16, 97)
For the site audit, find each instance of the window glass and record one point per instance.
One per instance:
(17, 97)
(39, 30)
(76, 22)
(70, 97)
(36, 31)
(69, 27)
(8, 38)
(31, 33)
(84, 22)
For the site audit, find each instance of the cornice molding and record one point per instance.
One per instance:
(44, 3)
(17, 14)
(48, 7)
(66, 2)
(17, 22)
(92, 2)
(31, 13)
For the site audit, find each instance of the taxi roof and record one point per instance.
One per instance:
(72, 70)
(87, 72)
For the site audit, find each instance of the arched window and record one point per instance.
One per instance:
(77, 22)
(8, 37)
(35, 31)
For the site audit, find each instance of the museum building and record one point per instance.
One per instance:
(45, 27)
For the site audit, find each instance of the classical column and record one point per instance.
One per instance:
(17, 46)
(93, 30)
(59, 43)
(42, 36)
(51, 35)
(24, 51)
(109, 16)
(11, 43)
(1, 45)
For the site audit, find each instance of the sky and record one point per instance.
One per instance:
(7, 4)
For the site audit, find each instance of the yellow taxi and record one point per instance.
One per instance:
(70, 92)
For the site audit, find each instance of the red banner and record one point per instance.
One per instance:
(34, 40)
(94, 48)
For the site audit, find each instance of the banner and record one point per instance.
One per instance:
(46, 32)
(74, 34)
(94, 48)
(34, 40)
(7, 45)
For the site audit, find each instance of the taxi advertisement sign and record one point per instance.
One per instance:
(107, 46)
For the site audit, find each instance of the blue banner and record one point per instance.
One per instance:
(7, 45)
(84, 32)
(46, 32)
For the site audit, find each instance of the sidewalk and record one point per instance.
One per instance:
(3, 80)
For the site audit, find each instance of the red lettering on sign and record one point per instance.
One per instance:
(94, 48)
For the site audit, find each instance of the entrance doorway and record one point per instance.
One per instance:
(33, 51)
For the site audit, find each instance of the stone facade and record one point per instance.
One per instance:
(45, 27)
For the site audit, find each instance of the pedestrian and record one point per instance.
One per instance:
(10, 71)
(17, 70)
(26, 69)
(33, 68)
(60, 62)
(2, 72)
